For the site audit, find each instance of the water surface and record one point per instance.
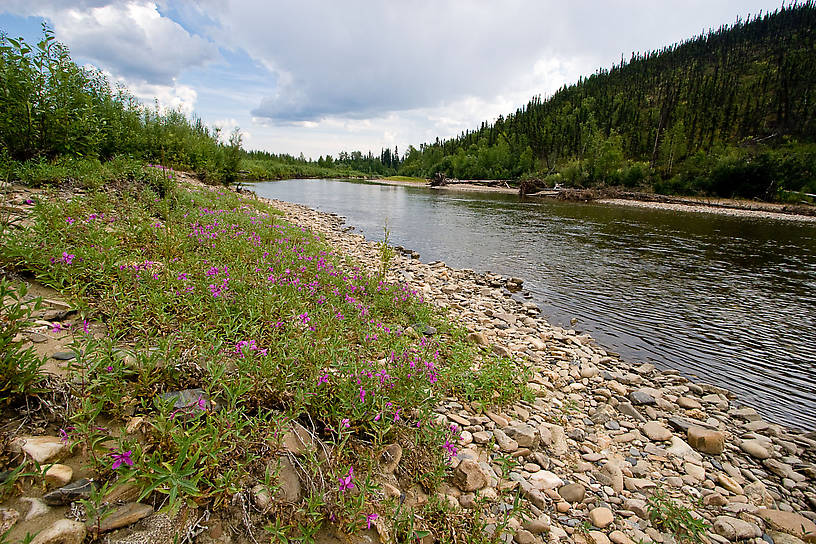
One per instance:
(726, 300)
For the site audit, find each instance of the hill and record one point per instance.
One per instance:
(729, 112)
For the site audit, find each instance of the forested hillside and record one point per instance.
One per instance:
(730, 112)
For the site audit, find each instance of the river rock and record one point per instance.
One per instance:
(525, 435)
(790, 522)
(554, 437)
(544, 479)
(523, 536)
(297, 440)
(688, 403)
(619, 537)
(469, 476)
(638, 506)
(64, 355)
(601, 517)
(289, 489)
(36, 507)
(706, 441)
(656, 431)
(537, 525)
(597, 537)
(757, 494)
(729, 484)
(81, 489)
(40, 448)
(784, 538)
(735, 529)
(572, 492)
(64, 531)
(641, 397)
(390, 458)
(123, 516)
(755, 448)
(506, 443)
(611, 475)
(58, 475)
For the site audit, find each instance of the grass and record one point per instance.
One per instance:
(206, 288)
(406, 178)
(675, 518)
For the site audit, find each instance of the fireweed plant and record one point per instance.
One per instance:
(205, 288)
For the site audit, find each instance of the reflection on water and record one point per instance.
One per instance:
(729, 300)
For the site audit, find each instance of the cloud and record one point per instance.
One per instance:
(360, 59)
(127, 38)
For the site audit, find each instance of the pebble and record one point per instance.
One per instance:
(123, 516)
(40, 448)
(572, 492)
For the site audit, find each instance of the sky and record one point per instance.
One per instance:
(319, 77)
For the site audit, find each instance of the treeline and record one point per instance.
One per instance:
(729, 112)
(59, 120)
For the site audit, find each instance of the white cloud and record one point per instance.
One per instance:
(127, 38)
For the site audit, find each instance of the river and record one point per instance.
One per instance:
(725, 300)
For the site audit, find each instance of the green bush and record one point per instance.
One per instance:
(19, 368)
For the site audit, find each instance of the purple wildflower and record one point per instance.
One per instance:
(345, 481)
(369, 519)
(121, 458)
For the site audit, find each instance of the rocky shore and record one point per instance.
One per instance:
(603, 451)
(605, 442)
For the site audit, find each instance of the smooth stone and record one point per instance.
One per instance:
(506, 443)
(288, 480)
(572, 492)
(544, 479)
(36, 507)
(656, 431)
(729, 484)
(755, 448)
(784, 538)
(714, 499)
(523, 536)
(638, 507)
(298, 440)
(619, 537)
(598, 537)
(40, 448)
(122, 517)
(81, 489)
(64, 531)
(64, 355)
(790, 522)
(735, 529)
(537, 526)
(482, 437)
(58, 475)
(601, 517)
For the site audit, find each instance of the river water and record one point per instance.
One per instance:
(725, 300)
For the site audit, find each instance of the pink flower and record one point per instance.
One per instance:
(121, 458)
(63, 436)
(345, 481)
(362, 394)
(85, 326)
(69, 220)
(369, 519)
(323, 379)
(396, 415)
(345, 423)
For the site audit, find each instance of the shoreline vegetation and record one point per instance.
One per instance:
(240, 369)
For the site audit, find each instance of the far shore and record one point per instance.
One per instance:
(720, 206)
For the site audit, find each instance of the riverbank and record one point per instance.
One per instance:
(603, 438)
(585, 449)
(720, 206)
